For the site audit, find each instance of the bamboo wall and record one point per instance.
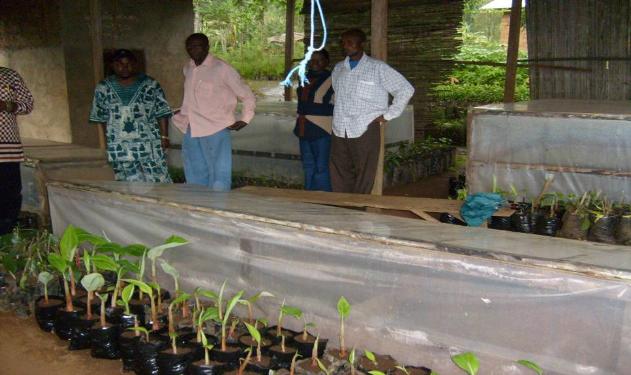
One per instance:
(421, 43)
(593, 35)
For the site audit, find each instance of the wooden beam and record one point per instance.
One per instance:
(513, 51)
(96, 37)
(289, 41)
(418, 206)
(379, 50)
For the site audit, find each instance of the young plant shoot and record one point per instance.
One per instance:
(140, 330)
(103, 298)
(323, 367)
(62, 262)
(91, 283)
(351, 361)
(468, 362)
(256, 335)
(343, 309)
(173, 336)
(244, 362)
(226, 317)
(250, 301)
(203, 316)
(171, 271)
(207, 348)
(286, 310)
(531, 365)
(149, 291)
(292, 367)
(314, 352)
(180, 299)
(156, 252)
(45, 278)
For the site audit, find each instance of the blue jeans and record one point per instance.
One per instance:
(315, 162)
(208, 160)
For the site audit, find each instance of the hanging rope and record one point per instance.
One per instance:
(301, 68)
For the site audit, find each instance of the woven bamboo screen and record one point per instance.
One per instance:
(422, 40)
(593, 35)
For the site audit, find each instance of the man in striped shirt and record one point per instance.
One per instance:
(362, 87)
(15, 99)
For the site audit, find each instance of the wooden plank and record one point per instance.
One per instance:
(425, 216)
(365, 200)
(379, 50)
(513, 51)
(289, 42)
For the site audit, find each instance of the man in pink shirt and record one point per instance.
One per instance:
(211, 90)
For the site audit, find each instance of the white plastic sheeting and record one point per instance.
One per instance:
(419, 291)
(586, 145)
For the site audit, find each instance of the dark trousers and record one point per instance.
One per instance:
(315, 162)
(353, 163)
(10, 196)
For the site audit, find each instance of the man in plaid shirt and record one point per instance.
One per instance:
(362, 87)
(15, 99)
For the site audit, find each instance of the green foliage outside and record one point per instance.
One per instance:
(410, 152)
(472, 85)
(239, 32)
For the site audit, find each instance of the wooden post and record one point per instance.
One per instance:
(289, 42)
(379, 50)
(513, 50)
(96, 36)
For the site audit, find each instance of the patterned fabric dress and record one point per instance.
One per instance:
(131, 115)
(12, 89)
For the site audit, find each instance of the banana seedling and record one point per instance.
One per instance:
(140, 330)
(351, 361)
(468, 362)
(343, 309)
(286, 310)
(244, 362)
(173, 336)
(531, 365)
(292, 367)
(248, 302)
(203, 316)
(45, 278)
(156, 252)
(91, 283)
(323, 367)
(103, 298)
(173, 272)
(256, 335)
(62, 262)
(145, 288)
(207, 348)
(182, 298)
(226, 316)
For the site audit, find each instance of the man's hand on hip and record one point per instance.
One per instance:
(165, 143)
(380, 120)
(238, 125)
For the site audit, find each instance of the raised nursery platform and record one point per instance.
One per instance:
(419, 291)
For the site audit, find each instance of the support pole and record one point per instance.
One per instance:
(379, 50)
(96, 36)
(513, 51)
(289, 42)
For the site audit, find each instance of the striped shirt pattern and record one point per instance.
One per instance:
(12, 89)
(361, 95)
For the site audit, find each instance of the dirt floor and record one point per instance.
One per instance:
(20, 355)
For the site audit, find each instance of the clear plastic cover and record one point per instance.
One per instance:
(419, 291)
(585, 145)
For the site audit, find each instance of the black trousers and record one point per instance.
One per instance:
(10, 196)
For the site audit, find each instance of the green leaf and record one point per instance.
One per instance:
(139, 329)
(343, 307)
(129, 266)
(105, 263)
(371, 356)
(85, 236)
(128, 293)
(173, 335)
(204, 339)
(231, 304)
(173, 241)
(258, 295)
(136, 250)
(210, 313)
(531, 365)
(181, 298)
(169, 269)
(209, 294)
(69, 242)
(110, 247)
(45, 277)
(322, 366)
(293, 311)
(141, 285)
(102, 296)
(467, 362)
(376, 372)
(256, 335)
(57, 262)
(351, 357)
(10, 263)
(92, 282)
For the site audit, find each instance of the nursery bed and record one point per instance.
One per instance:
(419, 290)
